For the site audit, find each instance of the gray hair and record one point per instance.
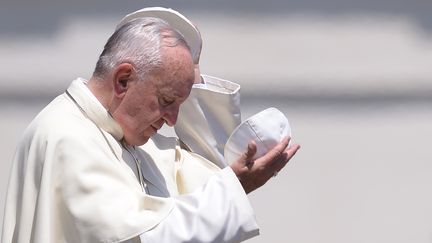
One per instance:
(138, 42)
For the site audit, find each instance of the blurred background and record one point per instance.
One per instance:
(353, 77)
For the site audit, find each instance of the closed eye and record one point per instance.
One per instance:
(166, 101)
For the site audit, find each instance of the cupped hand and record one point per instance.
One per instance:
(254, 173)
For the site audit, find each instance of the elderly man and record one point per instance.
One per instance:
(92, 168)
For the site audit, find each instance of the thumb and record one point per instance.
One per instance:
(250, 153)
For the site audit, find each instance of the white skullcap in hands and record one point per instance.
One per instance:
(267, 128)
(176, 20)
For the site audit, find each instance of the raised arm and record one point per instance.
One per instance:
(208, 117)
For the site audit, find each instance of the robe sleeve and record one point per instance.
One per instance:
(219, 212)
(208, 117)
(103, 202)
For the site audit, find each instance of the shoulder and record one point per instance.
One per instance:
(59, 120)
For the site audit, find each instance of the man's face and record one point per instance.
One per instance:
(150, 103)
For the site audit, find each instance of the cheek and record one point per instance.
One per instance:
(149, 114)
(142, 111)
(153, 106)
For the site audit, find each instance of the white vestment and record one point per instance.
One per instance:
(73, 181)
(208, 117)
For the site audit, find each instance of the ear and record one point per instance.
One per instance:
(121, 79)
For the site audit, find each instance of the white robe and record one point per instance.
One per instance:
(208, 117)
(73, 181)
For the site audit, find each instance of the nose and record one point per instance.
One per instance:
(171, 115)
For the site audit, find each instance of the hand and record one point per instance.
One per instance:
(252, 174)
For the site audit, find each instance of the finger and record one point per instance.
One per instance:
(270, 157)
(250, 153)
(292, 150)
(246, 159)
(286, 157)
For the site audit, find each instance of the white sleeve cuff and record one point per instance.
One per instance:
(217, 85)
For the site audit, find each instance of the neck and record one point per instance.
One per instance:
(100, 89)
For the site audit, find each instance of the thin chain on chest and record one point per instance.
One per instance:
(137, 161)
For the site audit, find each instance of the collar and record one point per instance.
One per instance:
(93, 108)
